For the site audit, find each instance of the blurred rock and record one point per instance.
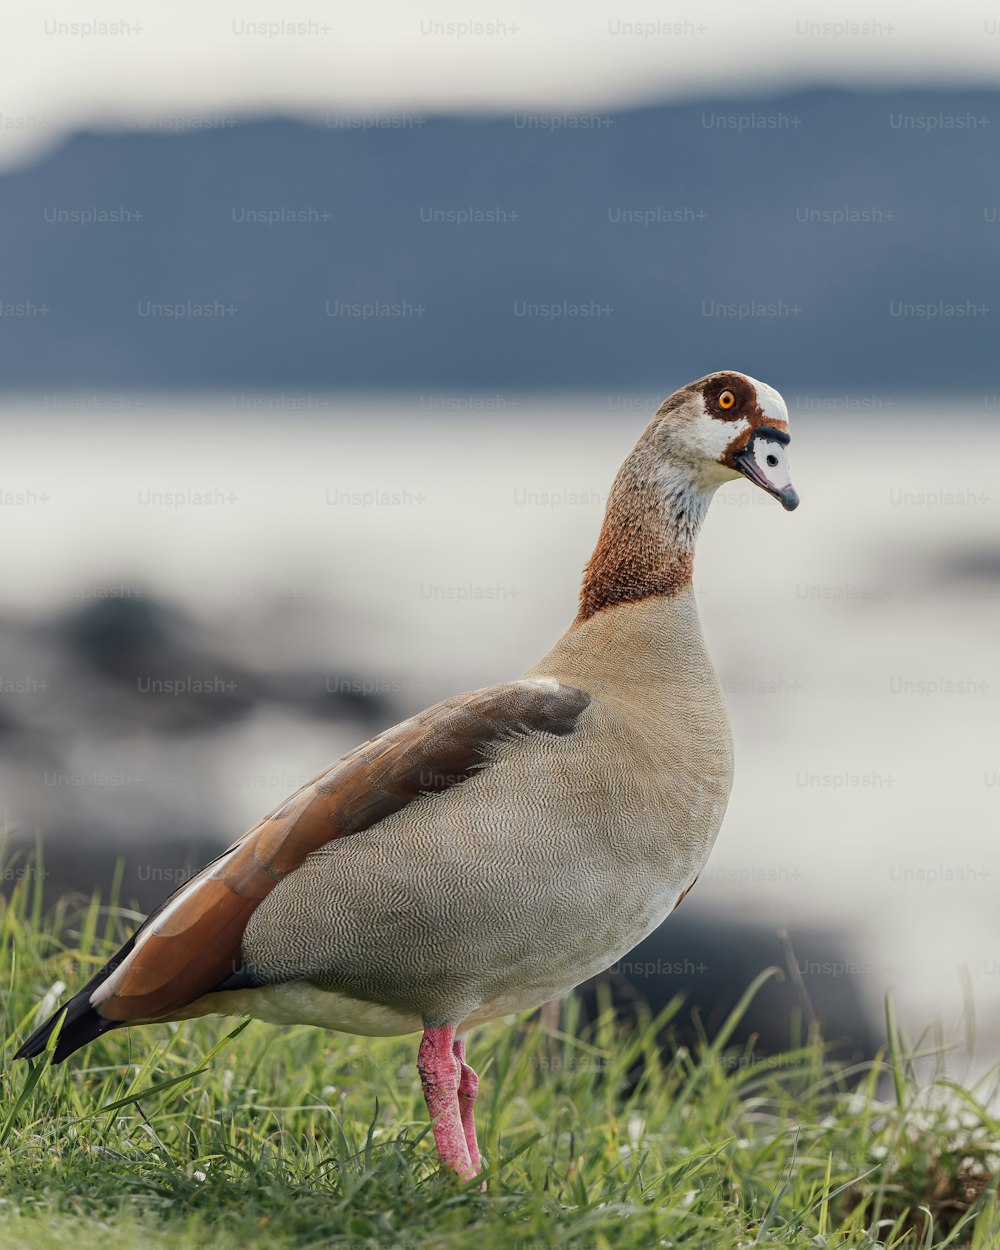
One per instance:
(124, 725)
(711, 959)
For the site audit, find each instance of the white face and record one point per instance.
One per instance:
(711, 436)
(720, 433)
(714, 435)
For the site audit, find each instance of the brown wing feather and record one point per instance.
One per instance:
(192, 942)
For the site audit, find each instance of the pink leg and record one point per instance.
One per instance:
(440, 1074)
(468, 1087)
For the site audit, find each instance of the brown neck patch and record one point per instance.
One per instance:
(646, 544)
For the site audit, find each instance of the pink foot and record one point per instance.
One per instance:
(468, 1087)
(441, 1075)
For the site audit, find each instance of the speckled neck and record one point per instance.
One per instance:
(646, 544)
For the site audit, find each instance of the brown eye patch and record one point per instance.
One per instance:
(727, 397)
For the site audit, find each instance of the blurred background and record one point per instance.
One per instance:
(323, 330)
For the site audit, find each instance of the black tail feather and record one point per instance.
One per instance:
(81, 1023)
(80, 1026)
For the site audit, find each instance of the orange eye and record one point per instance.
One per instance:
(727, 399)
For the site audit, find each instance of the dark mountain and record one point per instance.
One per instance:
(824, 238)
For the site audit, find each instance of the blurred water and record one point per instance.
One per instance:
(427, 548)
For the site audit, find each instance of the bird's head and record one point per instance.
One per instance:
(724, 425)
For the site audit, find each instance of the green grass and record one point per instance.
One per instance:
(211, 1135)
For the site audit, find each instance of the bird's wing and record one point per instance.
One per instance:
(191, 944)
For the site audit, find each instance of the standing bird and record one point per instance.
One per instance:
(493, 852)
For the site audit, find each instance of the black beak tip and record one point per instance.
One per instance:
(789, 499)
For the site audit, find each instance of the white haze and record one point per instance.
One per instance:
(187, 63)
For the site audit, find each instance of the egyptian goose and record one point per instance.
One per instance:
(503, 846)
